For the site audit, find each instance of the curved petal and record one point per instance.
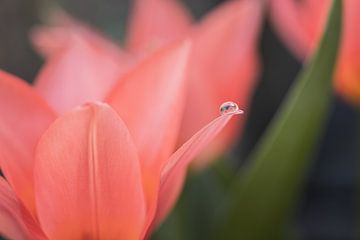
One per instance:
(348, 69)
(154, 114)
(154, 23)
(347, 76)
(299, 23)
(168, 196)
(287, 22)
(223, 65)
(15, 221)
(77, 74)
(351, 29)
(81, 65)
(87, 177)
(63, 30)
(174, 171)
(24, 116)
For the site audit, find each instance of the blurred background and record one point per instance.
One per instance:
(327, 208)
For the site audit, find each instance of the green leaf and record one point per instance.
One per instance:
(265, 193)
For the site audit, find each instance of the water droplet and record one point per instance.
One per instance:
(230, 108)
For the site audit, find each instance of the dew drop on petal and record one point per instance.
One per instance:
(230, 108)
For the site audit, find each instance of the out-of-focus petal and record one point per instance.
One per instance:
(351, 31)
(151, 99)
(154, 23)
(48, 40)
(348, 69)
(299, 22)
(285, 16)
(24, 116)
(78, 73)
(223, 65)
(174, 171)
(347, 77)
(15, 221)
(63, 30)
(87, 177)
(81, 66)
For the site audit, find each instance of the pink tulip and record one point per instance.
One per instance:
(223, 62)
(94, 173)
(300, 24)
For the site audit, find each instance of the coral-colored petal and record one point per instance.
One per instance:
(48, 40)
(77, 74)
(287, 20)
(154, 112)
(151, 100)
(347, 78)
(223, 65)
(168, 196)
(24, 116)
(348, 69)
(81, 65)
(88, 183)
(63, 30)
(15, 221)
(154, 23)
(351, 31)
(299, 23)
(174, 171)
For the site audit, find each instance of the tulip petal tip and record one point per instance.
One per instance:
(92, 104)
(230, 108)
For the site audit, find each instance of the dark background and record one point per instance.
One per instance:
(327, 208)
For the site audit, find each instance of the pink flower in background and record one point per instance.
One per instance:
(93, 172)
(300, 24)
(223, 61)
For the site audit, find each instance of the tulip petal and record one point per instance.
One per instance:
(15, 221)
(81, 65)
(63, 30)
(299, 23)
(154, 114)
(351, 32)
(223, 66)
(173, 173)
(87, 177)
(24, 117)
(284, 15)
(154, 23)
